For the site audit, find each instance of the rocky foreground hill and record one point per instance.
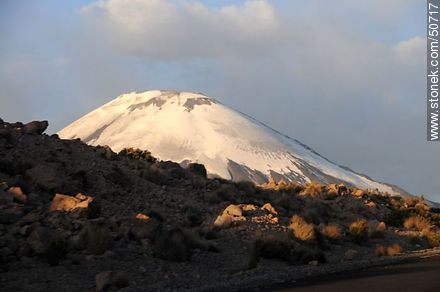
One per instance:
(75, 217)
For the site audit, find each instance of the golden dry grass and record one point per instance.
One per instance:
(394, 249)
(301, 229)
(331, 231)
(312, 189)
(417, 222)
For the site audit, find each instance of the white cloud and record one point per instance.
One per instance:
(160, 29)
(239, 37)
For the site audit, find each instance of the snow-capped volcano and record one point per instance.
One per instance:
(191, 127)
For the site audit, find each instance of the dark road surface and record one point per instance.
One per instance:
(421, 276)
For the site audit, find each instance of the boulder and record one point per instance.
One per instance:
(17, 194)
(68, 203)
(269, 208)
(232, 213)
(36, 127)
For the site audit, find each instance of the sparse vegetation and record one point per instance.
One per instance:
(417, 222)
(138, 154)
(331, 231)
(358, 230)
(391, 250)
(432, 236)
(278, 248)
(312, 189)
(394, 249)
(301, 229)
(177, 210)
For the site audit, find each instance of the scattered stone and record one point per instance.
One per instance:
(269, 208)
(232, 213)
(248, 207)
(143, 217)
(17, 194)
(68, 203)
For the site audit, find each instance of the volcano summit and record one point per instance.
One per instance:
(191, 127)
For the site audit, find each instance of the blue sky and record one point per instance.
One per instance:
(345, 77)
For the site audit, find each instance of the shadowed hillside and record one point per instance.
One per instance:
(78, 217)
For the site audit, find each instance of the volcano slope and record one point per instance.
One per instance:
(192, 127)
(75, 217)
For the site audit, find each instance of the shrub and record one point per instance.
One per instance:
(277, 248)
(246, 186)
(411, 201)
(137, 154)
(290, 187)
(397, 217)
(285, 201)
(377, 230)
(417, 222)
(391, 250)
(358, 230)
(394, 249)
(380, 251)
(331, 231)
(301, 229)
(312, 189)
(433, 237)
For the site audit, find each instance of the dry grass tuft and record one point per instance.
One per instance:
(433, 237)
(312, 189)
(394, 249)
(417, 222)
(391, 250)
(301, 229)
(331, 231)
(359, 230)
(377, 230)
